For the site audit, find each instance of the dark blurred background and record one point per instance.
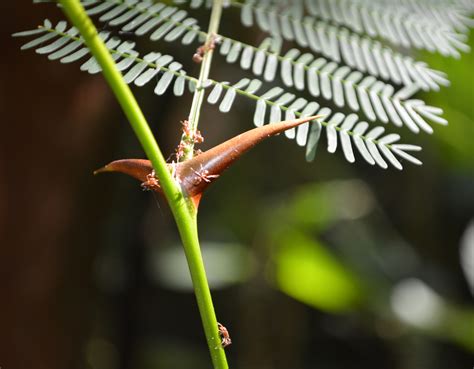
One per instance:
(320, 265)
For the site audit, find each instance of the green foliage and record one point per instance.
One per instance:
(455, 143)
(306, 271)
(348, 273)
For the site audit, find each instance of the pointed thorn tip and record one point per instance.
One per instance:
(101, 170)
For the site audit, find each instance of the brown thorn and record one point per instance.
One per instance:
(211, 162)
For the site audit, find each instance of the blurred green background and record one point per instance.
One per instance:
(320, 265)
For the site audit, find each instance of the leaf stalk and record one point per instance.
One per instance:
(198, 97)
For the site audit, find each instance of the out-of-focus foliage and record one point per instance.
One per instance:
(455, 141)
(308, 271)
(226, 265)
(317, 261)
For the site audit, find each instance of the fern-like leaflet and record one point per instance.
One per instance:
(392, 22)
(285, 19)
(372, 146)
(359, 53)
(143, 17)
(377, 100)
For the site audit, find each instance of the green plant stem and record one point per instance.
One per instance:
(182, 208)
(198, 97)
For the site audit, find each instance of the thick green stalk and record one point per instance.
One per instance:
(183, 210)
(198, 97)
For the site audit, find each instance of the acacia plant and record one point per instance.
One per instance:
(353, 55)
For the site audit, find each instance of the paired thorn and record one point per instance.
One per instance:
(211, 163)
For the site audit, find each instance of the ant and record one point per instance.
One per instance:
(189, 138)
(203, 49)
(225, 337)
(186, 128)
(180, 151)
(151, 182)
(203, 175)
(196, 137)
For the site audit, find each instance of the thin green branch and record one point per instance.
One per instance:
(183, 210)
(198, 98)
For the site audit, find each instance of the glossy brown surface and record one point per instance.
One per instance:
(136, 168)
(196, 174)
